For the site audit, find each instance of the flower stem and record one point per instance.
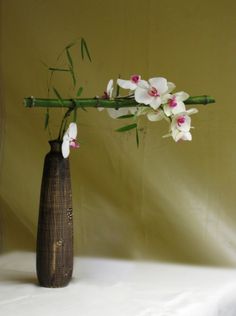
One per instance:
(63, 123)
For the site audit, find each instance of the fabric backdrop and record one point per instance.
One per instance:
(165, 201)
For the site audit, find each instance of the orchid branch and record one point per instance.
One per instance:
(105, 103)
(153, 98)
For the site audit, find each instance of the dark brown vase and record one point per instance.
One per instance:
(55, 225)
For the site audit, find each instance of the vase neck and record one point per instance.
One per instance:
(55, 145)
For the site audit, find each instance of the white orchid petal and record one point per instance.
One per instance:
(126, 84)
(192, 111)
(181, 96)
(180, 107)
(143, 110)
(66, 136)
(165, 97)
(185, 127)
(109, 86)
(167, 110)
(155, 116)
(177, 135)
(72, 130)
(143, 84)
(160, 84)
(110, 93)
(155, 102)
(171, 86)
(167, 135)
(187, 136)
(124, 111)
(65, 148)
(141, 96)
(133, 110)
(133, 86)
(113, 113)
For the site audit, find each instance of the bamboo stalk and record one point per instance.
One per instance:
(105, 103)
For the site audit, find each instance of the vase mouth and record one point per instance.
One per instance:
(55, 145)
(52, 141)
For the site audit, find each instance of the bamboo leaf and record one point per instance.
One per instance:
(73, 77)
(46, 121)
(79, 92)
(87, 51)
(71, 66)
(125, 116)
(70, 60)
(84, 48)
(58, 96)
(58, 69)
(66, 48)
(126, 128)
(137, 137)
(70, 45)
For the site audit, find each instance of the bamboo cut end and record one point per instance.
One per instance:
(29, 102)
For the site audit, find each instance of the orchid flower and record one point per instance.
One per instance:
(175, 103)
(130, 84)
(155, 115)
(152, 115)
(113, 113)
(154, 92)
(108, 93)
(181, 125)
(69, 140)
(109, 90)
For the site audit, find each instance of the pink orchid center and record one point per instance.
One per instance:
(172, 102)
(135, 78)
(181, 120)
(105, 96)
(153, 92)
(74, 143)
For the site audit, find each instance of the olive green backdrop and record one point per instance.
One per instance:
(163, 201)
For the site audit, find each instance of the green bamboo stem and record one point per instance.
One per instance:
(201, 99)
(104, 103)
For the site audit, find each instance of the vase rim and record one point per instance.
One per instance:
(53, 141)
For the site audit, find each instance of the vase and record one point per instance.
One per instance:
(54, 254)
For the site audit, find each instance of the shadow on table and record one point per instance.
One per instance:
(18, 277)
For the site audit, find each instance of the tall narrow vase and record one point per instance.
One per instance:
(55, 225)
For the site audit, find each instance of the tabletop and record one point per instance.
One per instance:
(112, 287)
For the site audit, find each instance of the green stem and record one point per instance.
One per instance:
(63, 123)
(96, 102)
(201, 99)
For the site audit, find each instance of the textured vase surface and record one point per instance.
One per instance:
(54, 258)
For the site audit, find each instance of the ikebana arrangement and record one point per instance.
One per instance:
(153, 98)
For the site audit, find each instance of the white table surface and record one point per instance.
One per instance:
(106, 287)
